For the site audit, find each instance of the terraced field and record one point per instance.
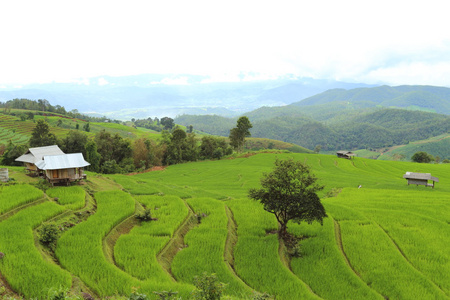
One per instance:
(386, 240)
(19, 132)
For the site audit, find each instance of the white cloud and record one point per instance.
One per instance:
(173, 81)
(347, 40)
(102, 81)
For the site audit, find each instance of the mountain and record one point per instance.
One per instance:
(418, 97)
(364, 128)
(150, 95)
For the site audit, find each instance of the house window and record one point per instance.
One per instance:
(55, 174)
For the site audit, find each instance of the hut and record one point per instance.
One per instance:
(34, 155)
(345, 154)
(64, 168)
(420, 179)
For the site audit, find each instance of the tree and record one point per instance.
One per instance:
(180, 147)
(41, 135)
(289, 192)
(239, 133)
(317, 149)
(167, 123)
(422, 157)
(113, 147)
(74, 142)
(87, 127)
(92, 156)
(12, 151)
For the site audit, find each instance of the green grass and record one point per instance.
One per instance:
(23, 265)
(73, 197)
(79, 250)
(386, 239)
(16, 195)
(136, 252)
(256, 254)
(205, 247)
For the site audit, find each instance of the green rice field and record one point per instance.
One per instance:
(384, 240)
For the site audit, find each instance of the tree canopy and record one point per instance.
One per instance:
(422, 157)
(239, 133)
(41, 135)
(289, 192)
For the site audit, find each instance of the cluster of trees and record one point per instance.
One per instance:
(424, 157)
(110, 153)
(44, 106)
(156, 124)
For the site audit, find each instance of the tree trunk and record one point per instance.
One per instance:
(283, 229)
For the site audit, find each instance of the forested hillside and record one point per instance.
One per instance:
(429, 98)
(366, 128)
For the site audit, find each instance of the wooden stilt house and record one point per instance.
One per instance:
(63, 168)
(34, 155)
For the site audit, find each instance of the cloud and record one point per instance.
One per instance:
(173, 81)
(347, 40)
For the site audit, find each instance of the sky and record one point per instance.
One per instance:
(391, 42)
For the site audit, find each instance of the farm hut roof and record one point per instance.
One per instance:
(64, 161)
(33, 155)
(420, 176)
(348, 153)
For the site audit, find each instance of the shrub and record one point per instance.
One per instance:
(48, 234)
(144, 216)
(208, 287)
(137, 296)
(166, 295)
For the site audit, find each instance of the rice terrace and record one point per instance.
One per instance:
(383, 240)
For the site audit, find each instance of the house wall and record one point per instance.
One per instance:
(417, 181)
(72, 173)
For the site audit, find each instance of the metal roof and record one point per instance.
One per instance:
(64, 161)
(420, 176)
(348, 153)
(33, 155)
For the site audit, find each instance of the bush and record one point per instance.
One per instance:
(208, 287)
(48, 234)
(144, 216)
(137, 296)
(166, 295)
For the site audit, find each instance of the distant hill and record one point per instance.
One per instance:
(417, 97)
(351, 129)
(159, 95)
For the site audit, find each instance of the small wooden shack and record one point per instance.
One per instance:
(420, 179)
(345, 154)
(34, 155)
(63, 168)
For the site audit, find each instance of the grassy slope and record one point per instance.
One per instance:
(372, 212)
(437, 145)
(387, 239)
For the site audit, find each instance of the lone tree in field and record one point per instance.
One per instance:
(239, 133)
(289, 192)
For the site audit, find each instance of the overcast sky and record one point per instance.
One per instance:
(393, 42)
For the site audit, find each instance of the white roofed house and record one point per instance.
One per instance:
(64, 168)
(34, 155)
